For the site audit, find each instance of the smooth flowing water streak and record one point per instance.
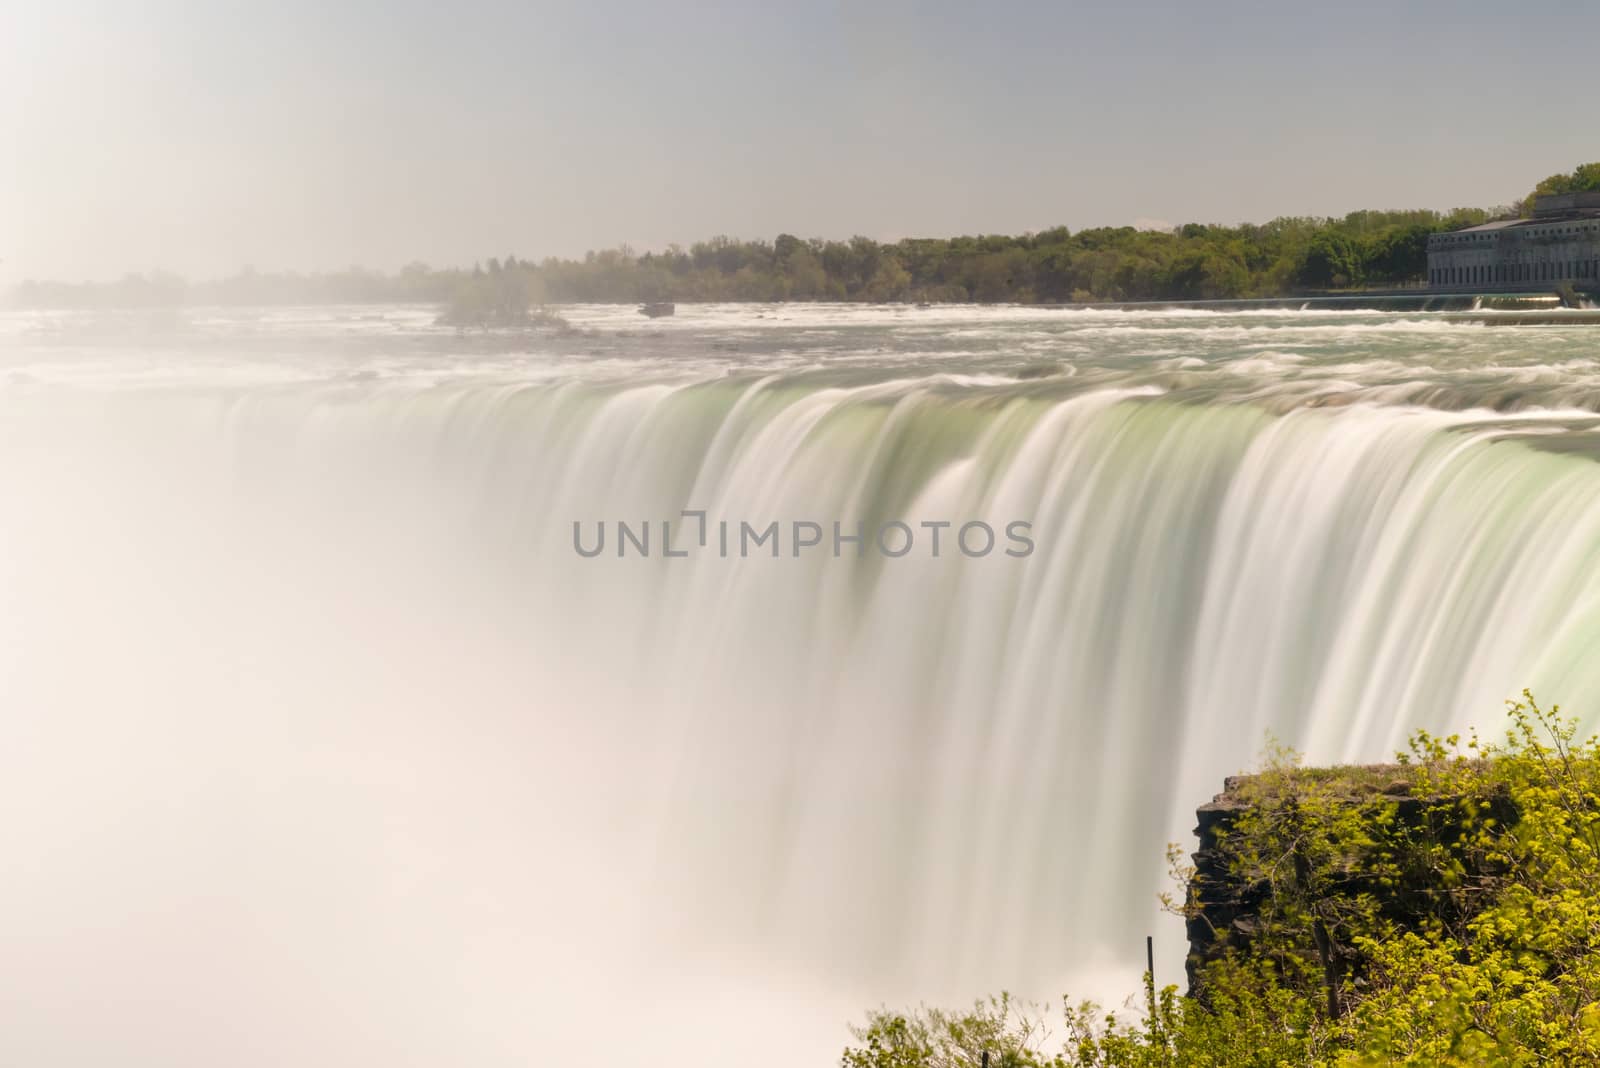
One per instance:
(324, 732)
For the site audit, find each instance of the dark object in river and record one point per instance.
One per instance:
(658, 309)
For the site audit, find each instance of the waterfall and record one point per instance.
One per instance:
(962, 766)
(320, 660)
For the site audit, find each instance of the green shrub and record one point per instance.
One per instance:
(1441, 911)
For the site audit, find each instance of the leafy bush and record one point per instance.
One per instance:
(1441, 911)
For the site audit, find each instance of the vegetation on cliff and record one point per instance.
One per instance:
(1442, 911)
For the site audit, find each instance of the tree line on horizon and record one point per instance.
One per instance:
(1192, 262)
(1285, 257)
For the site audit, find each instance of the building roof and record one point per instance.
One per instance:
(1517, 224)
(1498, 224)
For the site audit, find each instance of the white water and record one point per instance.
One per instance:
(326, 747)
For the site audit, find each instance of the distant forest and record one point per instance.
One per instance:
(1363, 250)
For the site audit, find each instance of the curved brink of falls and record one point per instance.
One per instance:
(968, 766)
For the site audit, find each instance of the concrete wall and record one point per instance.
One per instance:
(1528, 256)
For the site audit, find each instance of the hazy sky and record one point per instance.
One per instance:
(202, 137)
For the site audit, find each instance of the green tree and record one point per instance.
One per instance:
(1333, 261)
(1584, 178)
